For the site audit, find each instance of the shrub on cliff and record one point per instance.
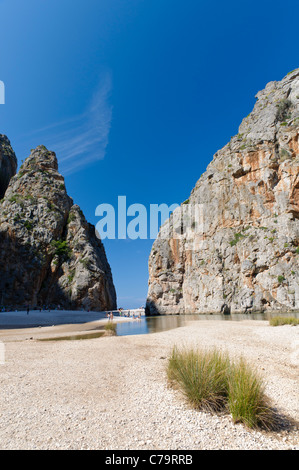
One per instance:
(61, 249)
(283, 110)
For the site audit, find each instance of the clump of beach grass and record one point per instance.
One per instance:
(281, 320)
(247, 401)
(201, 377)
(110, 328)
(211, 381)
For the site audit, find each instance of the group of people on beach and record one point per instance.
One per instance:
(127, 313)
(122, 313)
(110, 316)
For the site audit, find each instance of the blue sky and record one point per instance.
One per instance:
(135, 96)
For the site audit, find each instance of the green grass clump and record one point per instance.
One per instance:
(280, 320)
(211, 381)
(201, 376)
(247, 401)
(110, 327)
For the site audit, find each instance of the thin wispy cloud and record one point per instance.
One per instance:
(83, 139)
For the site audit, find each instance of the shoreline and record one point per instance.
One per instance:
(70, 323)
(44, 327)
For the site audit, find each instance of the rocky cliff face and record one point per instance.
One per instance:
(240, 253)
(8, 164)
(49, 254)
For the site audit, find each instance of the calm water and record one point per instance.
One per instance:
(167, 322)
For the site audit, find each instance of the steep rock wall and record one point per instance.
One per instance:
(240, 253)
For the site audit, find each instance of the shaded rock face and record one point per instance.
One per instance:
(8, 164)
(49, 254)
(241, 252)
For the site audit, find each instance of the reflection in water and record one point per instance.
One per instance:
(148, 325)
(74, 337)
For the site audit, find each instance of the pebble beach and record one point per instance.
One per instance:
(111, 392)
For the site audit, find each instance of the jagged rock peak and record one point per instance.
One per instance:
(49, 252)
(276, 104)
(41, 158)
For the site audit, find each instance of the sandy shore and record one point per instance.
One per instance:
(112, 392)
(49, 325)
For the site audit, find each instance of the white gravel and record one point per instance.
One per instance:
(112, 392)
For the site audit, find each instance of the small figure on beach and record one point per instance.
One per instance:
(110, 316)
(28, 309)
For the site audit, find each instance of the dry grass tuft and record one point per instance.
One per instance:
(211, 381)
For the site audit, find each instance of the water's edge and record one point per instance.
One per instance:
(154, 324)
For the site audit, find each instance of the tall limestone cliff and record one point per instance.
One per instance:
(49, 254)
(240, 253)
